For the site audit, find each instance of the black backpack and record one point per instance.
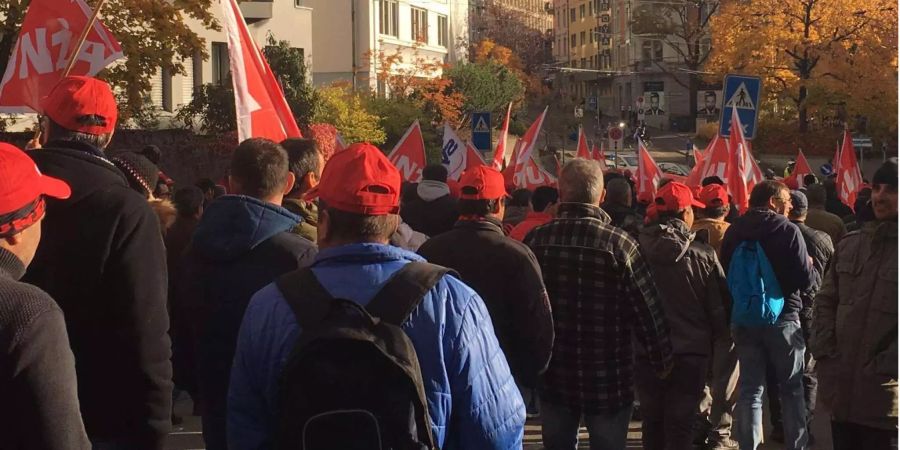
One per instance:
(353, 380)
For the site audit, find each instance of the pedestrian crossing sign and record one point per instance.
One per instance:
(481, 131)
(742, 94)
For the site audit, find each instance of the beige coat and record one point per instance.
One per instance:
(854, 335)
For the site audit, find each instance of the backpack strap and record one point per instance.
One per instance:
(404, 290)
(305, 295)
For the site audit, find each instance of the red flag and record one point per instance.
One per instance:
(500, 151)
(715, 159)
(533, 176)
(583, 150)
(409, 154)
(801, 169)
(261, 108)
(849, 177)
(599, 156)
(739, 167)
(647, 176)
(49, 33)
(473, 157)
(695, 177)
(509, 173)
(528, 142)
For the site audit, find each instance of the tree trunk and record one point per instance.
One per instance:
(801, 108)
(693, 87)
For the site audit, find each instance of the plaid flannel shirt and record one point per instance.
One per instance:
(602, 293)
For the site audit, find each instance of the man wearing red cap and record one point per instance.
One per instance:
(711, 217)
(693, 291)
(721, 398)
(503, 271)
(37, 369)
(603, 297)
(471, 396)
(102, 259)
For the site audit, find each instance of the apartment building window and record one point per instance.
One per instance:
(582, 9)
(419, 25)
(582, 37)
(651, 51)
(167, 104)
(221, 67)
(443, 27)
(572, 15)
(390, 18)
(574, 41)
(583, 66)
(591, 9)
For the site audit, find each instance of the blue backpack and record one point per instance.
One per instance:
(757, 299)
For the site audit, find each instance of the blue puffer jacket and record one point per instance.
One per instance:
(472, 398)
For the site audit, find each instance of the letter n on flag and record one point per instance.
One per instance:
(408, 156)
(49, 33)
(261, 108)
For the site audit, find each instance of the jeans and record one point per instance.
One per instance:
(810, 383)
(781, 346)
(723, 389)
(606, 431)
(851, 436)
(669, 407)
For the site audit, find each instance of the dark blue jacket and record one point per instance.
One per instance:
(472, 398)
(240, 245)
(784, 247)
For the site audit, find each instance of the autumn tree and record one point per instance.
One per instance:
(153, 33)
(344, 109)
(513, 29)
(814, 52)
(487, 86)
(683, 26)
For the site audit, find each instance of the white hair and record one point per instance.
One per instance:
(581, 181)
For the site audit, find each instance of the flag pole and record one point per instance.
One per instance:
(83, 37)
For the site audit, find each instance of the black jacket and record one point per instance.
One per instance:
(506, 274)
(784, 247)
(432, 211)
(241, 245)
(102, 259)
(821, 249)
(624, 217)
(37, 370)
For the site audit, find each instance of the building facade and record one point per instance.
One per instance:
(349, 35)
(283, 20)
(628, 71)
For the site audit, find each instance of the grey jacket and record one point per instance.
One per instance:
(692, 285)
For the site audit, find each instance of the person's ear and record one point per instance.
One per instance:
(309, 181)
(289, 183)
(602, 197)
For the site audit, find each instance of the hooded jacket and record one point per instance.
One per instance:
(472, 400)
(715, 229)
(784, 247)
(691, 284)
(432, 211)
(240, 245)
(506, 274)
(309, 217)
(407, 238)
(854, 335)
(102, 259)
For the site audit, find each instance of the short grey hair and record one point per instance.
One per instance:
(581, 181)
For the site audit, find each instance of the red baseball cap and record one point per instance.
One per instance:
(675, 196)
(713, 192)
(76, 97)
(360, 180)
(21, 183)
(482, 183)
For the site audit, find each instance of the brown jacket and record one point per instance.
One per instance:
(854, 335)
(716, 229)
(309, 212)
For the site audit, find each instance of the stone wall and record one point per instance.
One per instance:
(186, 157)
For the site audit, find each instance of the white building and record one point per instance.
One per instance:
(348, 34)
(285, 20)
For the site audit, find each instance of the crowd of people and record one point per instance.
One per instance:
(302, 302)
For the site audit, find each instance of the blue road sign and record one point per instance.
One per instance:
(481, 131)
(742, 92)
